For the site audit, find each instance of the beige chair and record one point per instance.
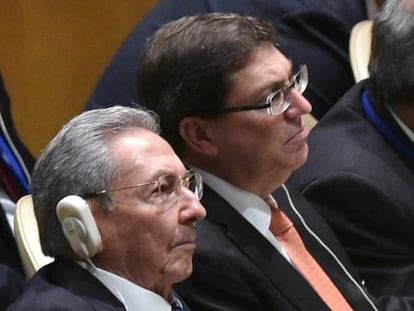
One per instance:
(360, 49)
(27, 237)
(310, 120)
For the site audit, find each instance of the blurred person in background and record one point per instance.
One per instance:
(360, 171)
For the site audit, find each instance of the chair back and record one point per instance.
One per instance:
(310, 120)
(360, 49)
(27, 237)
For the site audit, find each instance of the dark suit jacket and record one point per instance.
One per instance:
(11, 285)
(64, 285)
(315, 33)
(365, 189)
(236, 268)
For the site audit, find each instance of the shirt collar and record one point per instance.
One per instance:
(133, 296)
(251, 206)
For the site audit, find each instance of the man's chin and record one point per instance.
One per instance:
(179, 266)
(301, 157)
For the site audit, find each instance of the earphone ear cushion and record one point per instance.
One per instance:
(79, 226)
(75, 233)
(74, 227)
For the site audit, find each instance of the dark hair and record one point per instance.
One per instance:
(391, 66)
(78, 160)
(187, 65)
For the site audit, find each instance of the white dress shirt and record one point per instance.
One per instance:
(252, 207)
(133, 296)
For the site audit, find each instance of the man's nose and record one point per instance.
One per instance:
(192, 210)
(299, 105)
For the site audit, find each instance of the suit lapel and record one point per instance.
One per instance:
(274, 266)
(68, 274)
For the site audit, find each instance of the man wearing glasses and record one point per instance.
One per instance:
(117, 210)
(230, 104)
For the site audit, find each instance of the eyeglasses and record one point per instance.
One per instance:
(166, 185)
(278, 101)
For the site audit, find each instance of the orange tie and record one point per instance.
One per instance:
(283, 229)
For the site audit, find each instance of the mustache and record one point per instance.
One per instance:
(188, 235)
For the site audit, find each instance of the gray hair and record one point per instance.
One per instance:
(391, 65)
(78, 161)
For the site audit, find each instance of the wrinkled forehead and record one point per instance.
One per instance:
(266, 58)
(145, 154)
(267, 69)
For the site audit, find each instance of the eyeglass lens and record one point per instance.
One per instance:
(169, 184)
(279, 101)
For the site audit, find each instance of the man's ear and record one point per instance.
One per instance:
(197, 134)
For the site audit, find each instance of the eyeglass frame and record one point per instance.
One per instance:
(198, 189)
(285, 90)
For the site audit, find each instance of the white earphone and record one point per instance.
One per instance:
(79, 226)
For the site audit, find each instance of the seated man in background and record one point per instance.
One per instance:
(360, 171)
(16, 163)
(230, 104)
(313, 32)
(117, 210)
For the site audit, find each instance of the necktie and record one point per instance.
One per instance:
(283, 229)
